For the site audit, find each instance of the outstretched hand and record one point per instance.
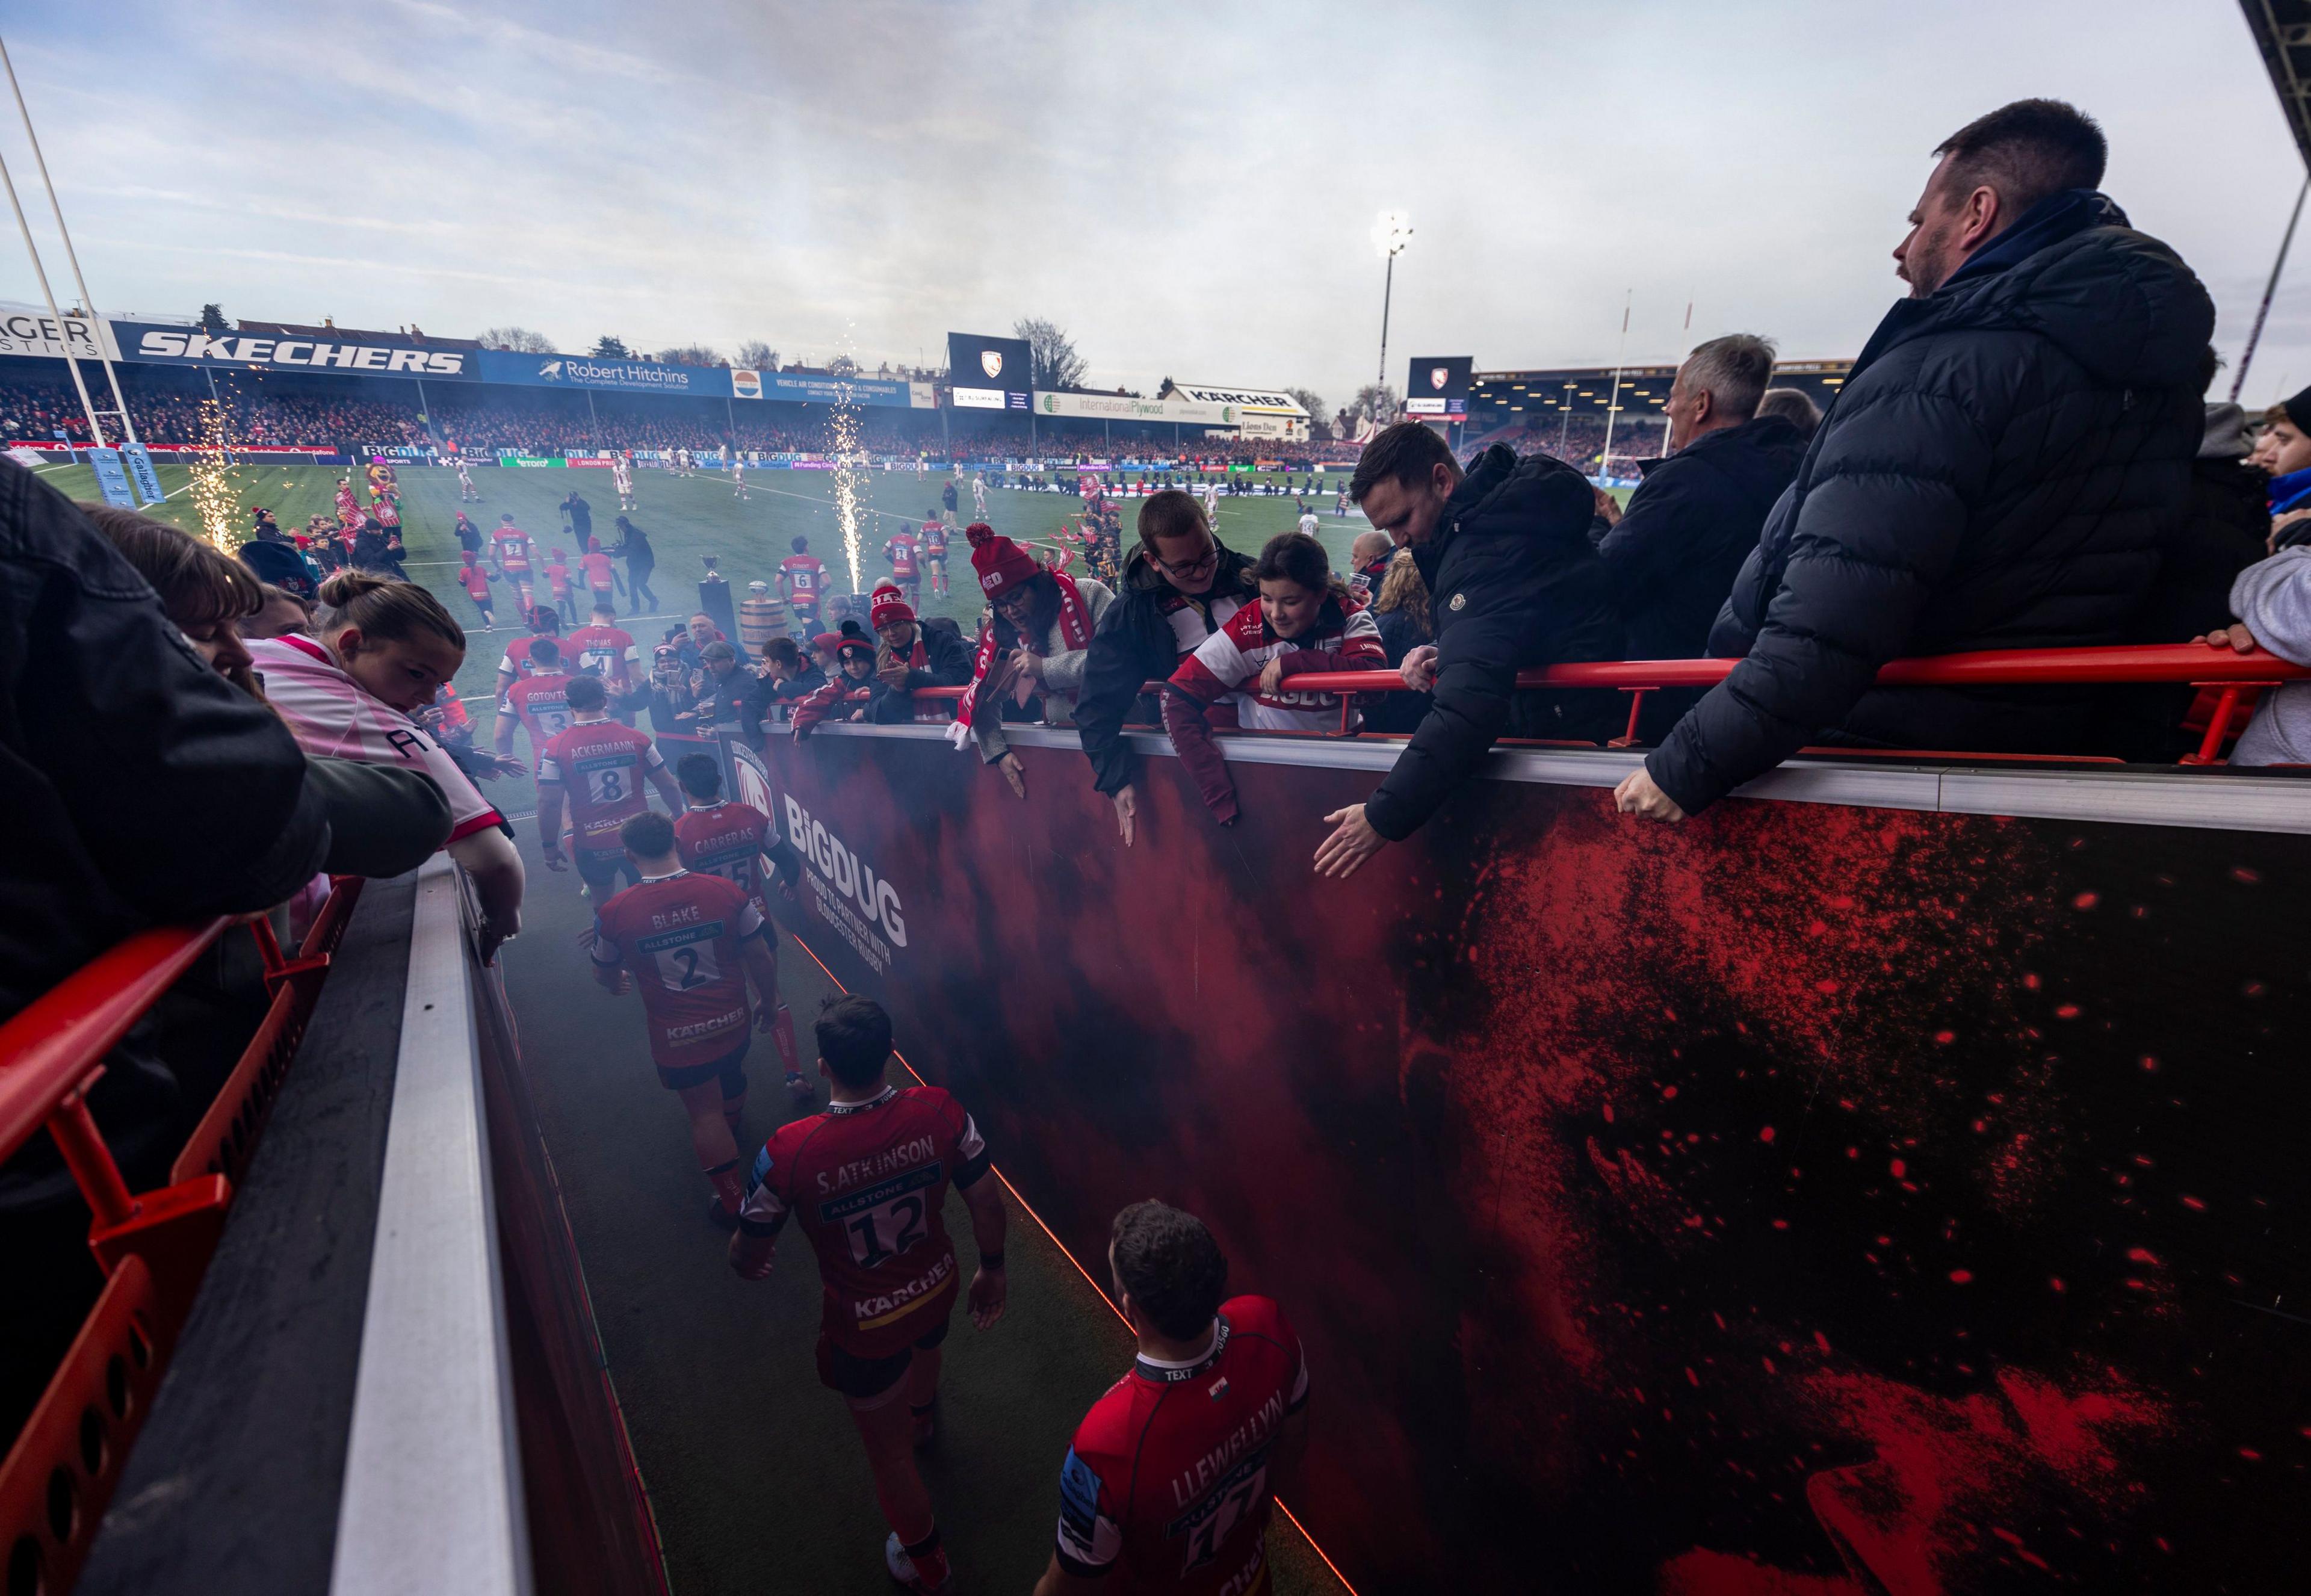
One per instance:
(1353, 841)
(1014, 772)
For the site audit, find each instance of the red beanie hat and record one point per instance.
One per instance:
(887, 605)
(1000, 562)
(826, 643)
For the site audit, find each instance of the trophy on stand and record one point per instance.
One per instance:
(714, 597)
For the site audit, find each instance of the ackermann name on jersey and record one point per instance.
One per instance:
(852, 876)
(241, 349)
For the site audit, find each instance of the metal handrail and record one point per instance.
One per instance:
(49, 1048)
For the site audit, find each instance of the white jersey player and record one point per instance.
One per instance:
(1309, 524)
(738, 477)
(465, 494)
(978, 494)
(622, 477)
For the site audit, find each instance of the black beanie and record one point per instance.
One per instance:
(2298, 410)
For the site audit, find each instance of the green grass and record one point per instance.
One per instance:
(686, 518)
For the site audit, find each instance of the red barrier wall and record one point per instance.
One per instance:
(1802, 1200)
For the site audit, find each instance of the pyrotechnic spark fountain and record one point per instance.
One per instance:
(843, 422)
(213, 494)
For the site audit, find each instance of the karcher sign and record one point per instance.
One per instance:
(1254, 401)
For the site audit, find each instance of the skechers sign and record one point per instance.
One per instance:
(190, 346)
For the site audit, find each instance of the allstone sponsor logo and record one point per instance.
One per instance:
(240, 349)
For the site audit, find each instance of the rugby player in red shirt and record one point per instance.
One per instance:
(511, 546)
(716, 836)
(539, 700)
(690, 942)
(1168, 1484)
(802, 582)
(606, 649)
(935, 542)
(516, 663)
(599, 767)
(902, 551)
(867, 1181)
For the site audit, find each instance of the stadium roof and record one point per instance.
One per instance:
(2282, 32)
(1588, 390)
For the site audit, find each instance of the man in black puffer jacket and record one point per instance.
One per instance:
(1512, 583)
(1998, 472)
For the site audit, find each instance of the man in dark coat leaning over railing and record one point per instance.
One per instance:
(2000, 471)
(1512, 583)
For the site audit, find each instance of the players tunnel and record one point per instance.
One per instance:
(1877, 1182)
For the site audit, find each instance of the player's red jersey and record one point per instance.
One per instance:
(557, 578)
(601, 766)
(805, 576)
(604, 651)
(869, 1181)
(599, 576)
(476, 579)
(512, 545)
(543, 702)
(935, 537)
(680, 936)
(901, 552)
(1166, 1488)
(726, 839)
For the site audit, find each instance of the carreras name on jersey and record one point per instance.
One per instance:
(190, 346)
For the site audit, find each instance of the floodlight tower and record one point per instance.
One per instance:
(1392, 231)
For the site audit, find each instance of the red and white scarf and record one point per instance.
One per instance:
(1075, 633)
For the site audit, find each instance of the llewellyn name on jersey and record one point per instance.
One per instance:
(240, 349)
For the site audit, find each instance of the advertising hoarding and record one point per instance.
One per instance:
(162, 344)
(36, 332)
(1118, 407)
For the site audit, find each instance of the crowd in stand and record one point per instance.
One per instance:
(2022, 459)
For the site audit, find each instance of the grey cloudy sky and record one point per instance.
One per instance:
(1187, 188)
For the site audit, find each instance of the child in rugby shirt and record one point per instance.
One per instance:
(1306, 621)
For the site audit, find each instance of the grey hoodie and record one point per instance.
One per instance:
(2273, 597)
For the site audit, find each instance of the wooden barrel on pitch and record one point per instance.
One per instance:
(761, 618)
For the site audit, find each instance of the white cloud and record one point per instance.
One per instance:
(1186, 187)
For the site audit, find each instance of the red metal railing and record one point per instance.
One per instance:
(2229, 678)
(59, 1473)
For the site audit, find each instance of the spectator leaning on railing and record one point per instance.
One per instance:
(1999, 471)
(1512, 582)
(1179, 586)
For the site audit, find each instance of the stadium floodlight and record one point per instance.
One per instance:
(1392, 231)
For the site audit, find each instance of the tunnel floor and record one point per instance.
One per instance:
(755, 1476)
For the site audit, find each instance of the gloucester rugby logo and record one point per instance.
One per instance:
(1438, 376)
(991, 360)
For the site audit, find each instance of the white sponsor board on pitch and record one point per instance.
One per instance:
(1257, 401)
(978, 398)
(26, 331)
(1118, 407)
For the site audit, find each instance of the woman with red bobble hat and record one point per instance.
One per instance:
(1043, 623)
